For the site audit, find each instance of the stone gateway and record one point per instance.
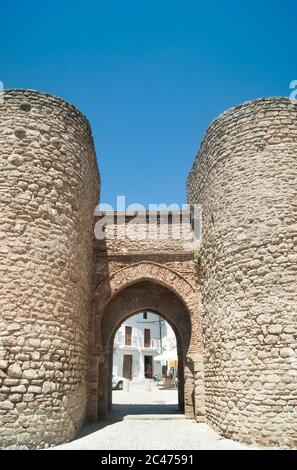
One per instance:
(64, 293)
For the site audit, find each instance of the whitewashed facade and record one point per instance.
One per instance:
(133, 340)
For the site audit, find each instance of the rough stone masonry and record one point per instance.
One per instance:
(63, 294)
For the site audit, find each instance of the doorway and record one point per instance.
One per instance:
(127, 366)
(148, 367)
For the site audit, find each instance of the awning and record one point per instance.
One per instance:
(167, 356)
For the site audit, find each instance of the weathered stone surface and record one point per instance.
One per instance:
(157, 273)
(14, 371)
(245, 178)
(30, 374)
(6, 405)
(234, 314)
(49, 189)
(34, 389)
(15, 160)
(18, 389)
(46, 387)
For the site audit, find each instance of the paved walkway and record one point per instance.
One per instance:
(148, 420)
(151, 435)
(138, 401)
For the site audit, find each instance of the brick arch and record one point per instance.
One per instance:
(146, 270)
(146, 296)
(116, 284)
(159, 274)
(142, 271)
(153, 297)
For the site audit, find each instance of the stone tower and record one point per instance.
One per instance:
(49, 187)
(245, 177)
(244, 296)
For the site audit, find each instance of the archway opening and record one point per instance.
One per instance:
(138, 297)
(147, 366)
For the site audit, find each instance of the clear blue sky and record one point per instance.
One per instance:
(149, 75)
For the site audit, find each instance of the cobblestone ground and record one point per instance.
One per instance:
(148, 420)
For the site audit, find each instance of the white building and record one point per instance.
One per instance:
(137, 341)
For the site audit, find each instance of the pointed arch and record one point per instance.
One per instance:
(120, 281)
(146, 270)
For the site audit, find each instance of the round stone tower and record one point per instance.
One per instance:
(49, 187)
(245, 177)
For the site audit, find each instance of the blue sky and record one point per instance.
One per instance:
(149, 75)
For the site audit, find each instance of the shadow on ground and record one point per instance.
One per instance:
(139, 409)
(121, 412)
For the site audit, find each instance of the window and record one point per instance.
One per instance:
(147, 338)
(128, 335)
(145, 315)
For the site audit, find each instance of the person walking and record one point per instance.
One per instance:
(148, 371)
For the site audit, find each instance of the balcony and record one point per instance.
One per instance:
(138, 342)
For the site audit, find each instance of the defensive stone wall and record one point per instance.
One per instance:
(132, 237)
(49, 189)
(146, 261)
(245, 177)
(61, 289)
